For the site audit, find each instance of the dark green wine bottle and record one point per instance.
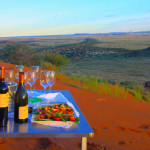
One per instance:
(21, 102)
(3, 99)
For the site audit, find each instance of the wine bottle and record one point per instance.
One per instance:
(21, 102)
(3, 99)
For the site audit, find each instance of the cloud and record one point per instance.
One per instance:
(57, 15)
(138, 20)
(133, 20)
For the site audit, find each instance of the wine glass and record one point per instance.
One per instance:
(9, 75)
(18, 68)
(43, 79)
(51, 79)
(36, 69)
(25, 78)
(9, 78)
(31, 79)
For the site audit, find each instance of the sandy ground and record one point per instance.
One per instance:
(119, 124)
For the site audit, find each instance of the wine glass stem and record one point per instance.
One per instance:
(49, 89)
(31, 88)
(44, 91)
(34, 86)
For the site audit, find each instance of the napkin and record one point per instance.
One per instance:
(56, 125)
(58, 97)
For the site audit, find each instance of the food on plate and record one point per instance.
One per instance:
(55, 112)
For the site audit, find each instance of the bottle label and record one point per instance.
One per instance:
(4, 100)
(23, 112)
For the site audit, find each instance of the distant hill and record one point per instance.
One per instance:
(142, 33)
(138, 33)
(141, 53)
(86, 49)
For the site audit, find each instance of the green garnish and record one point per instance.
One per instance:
(35, 100)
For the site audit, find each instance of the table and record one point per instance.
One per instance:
(29, 129)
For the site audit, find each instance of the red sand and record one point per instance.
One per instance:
(119, 124)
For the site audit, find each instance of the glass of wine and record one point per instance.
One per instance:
(43, 79)
(31, 79)
(36, 69)
(18, 68)
(51, 79)
(12, 86)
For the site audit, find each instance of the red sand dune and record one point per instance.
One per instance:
(119, 124)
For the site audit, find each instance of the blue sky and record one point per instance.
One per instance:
(54, 17)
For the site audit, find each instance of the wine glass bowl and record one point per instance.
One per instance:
(51, 79)
(31, 78)
(43, 79)
(18, 68)
(36, 70)
(25, 78)
(9, 75)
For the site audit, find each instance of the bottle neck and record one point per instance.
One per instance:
(21, 78)
(2, 75)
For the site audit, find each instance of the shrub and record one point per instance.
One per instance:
(21, 54)
(47, 65)
(146, 96)
(137, 90)
(55, 59)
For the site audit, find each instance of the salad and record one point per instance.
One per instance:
(55, 112)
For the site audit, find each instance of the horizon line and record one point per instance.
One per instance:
(106, 33)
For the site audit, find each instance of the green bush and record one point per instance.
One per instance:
(24, 55)
(55, 59)
(137, 90)
(146, 96)
(89, 80)
(47, 65)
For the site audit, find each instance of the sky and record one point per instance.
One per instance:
(56, 17)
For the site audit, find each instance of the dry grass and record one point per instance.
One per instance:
(130, 43)
(91, 83)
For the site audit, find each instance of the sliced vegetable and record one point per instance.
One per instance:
(57, 118)
(72, 118)
(56, 107)
(42, 116)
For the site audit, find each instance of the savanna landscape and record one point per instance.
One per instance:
(106, 74)
(114, 58)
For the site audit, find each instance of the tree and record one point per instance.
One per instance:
(55, 59)
(21, 54)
